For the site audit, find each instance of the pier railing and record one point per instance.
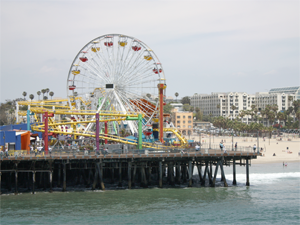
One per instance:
(71, 151)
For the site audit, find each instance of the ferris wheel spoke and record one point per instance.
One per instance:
(128, 65)
(134, 63)
(124, 60)
(103, 60)
(138, 78)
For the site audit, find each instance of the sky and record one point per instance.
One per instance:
(204, 46)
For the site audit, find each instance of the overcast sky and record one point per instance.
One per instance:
(204, 46)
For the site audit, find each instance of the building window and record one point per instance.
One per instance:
(190, 121)
(190, 117)
(178, 117)
(178, 121)
(178, 126)
(183, 126)
(183, 117)
(183, 121)
(190, 126)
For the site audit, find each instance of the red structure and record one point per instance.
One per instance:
(161, 88)
(46, 134)
(105, 131)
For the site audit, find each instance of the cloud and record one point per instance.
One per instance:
(271, 72)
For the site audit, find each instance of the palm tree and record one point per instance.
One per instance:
(31, 96)
(45, 97)
(24, 94)
(176, 95)
(43, 91)
(39, 93)
(51, 94)
(47, 90)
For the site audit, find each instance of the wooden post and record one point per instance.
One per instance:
(50, 176)
(183, 169)
(160, 174)
(64, 177)
(99, 168)
(223, 174)
(213, 184)
(16, 179)
(190, 174)
(95, 178)
(33, 181)
(234, 173)
(210, 168)
(33, 177)
(172, 181)
(9, 181)
(204, 175)
(129, 175)
(112, 170)
(247, 173)
(59, 175)
(133, 175)
(178, 179)
(120, 175)
(149, 175)
(200, 173)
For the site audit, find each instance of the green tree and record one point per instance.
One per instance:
(31, 96)
(45, 97)
(186, 100)
(24, 94)
(167, 108)
(38, 93)
(176, 95)
(186, 107)
(43, 91)
(47, 91)
(51, 94)
(148, 96)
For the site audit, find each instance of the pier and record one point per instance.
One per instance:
(142, 168)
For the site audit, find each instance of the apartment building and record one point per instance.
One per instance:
(227, 104)
(183, 121)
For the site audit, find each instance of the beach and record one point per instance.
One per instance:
(275, 145)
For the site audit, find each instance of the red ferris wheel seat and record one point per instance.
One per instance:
(83, 59)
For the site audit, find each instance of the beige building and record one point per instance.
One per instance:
(183, 121)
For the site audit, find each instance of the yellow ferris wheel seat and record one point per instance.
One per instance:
(148, 57)
(122, 43)
(97, 49)
(75, 72)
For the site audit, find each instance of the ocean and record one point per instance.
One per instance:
(273, 197)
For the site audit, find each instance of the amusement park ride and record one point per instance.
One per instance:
(109, 89)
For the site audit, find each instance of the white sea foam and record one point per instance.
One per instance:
(267, 177)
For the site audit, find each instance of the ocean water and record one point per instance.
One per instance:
(273, 197)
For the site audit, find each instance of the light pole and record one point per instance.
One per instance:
(232, 140)
(210, 139)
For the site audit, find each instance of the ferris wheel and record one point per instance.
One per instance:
(116, 73)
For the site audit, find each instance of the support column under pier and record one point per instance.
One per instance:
(234, 173)
(160, 174)
(247, 173)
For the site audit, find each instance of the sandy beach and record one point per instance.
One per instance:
(277, 145)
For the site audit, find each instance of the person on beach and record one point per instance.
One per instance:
(221, 146)
(224, 149)
(235, 146)
(254, 147)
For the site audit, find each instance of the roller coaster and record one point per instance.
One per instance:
(111, 87)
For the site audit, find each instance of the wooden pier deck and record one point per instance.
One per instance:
(127, 170)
